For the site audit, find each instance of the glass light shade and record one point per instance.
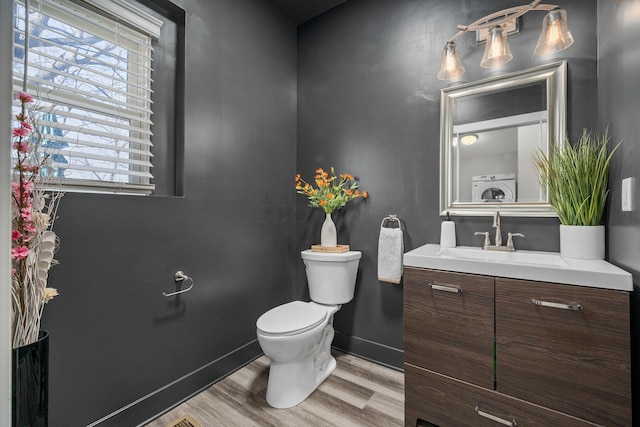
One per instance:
(451, 66)
(497, 51)
(555, 35)
(469, 139)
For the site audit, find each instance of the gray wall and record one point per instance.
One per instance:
(114, 337)
(619, 104)
(368, 103)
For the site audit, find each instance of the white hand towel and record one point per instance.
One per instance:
(390, 251)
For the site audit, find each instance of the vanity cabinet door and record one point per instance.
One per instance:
(448, 324)
(446, 402)
(566, 348)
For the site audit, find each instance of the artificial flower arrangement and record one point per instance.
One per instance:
(330, 193)
(33, 243)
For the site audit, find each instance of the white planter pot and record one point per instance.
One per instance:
(582, 242)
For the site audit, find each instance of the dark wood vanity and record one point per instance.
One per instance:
(488, 351)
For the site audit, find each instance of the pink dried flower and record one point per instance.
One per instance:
(25, 213)
(21, 131)
(19, 252)
(15, 235)
(22, 147)
(24, 97)
(27, 186)
(30, 228)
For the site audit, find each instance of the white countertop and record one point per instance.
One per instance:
(527, 265)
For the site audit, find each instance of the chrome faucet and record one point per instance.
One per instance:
(498, 239)
(496, 225)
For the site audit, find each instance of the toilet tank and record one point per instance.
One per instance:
(331, 276)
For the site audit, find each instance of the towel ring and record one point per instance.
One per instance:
(391, 218)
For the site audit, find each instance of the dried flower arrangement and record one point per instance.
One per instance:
(33, 243)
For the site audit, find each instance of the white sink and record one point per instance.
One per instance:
(520, 257)
(528, 265)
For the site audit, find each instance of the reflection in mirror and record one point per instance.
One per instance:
(490, 131)
(496, 167)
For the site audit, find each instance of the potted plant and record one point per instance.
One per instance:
(576, 178)
(329, 194)
(33, 244)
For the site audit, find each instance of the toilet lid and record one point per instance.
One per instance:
(291, 318)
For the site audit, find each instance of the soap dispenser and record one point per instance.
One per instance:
(448, 233)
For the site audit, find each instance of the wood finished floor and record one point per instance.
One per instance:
(358, 393)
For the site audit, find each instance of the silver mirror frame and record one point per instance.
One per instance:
(555, 76)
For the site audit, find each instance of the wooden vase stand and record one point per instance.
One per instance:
(330, 249)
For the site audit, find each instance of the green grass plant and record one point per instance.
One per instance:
(576, 177)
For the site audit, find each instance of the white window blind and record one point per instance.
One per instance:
(91, 78)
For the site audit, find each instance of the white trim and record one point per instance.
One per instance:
(136, 17)
(502, 122)
(86, 186)
(6, 50)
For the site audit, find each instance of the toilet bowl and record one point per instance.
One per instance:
(297, 336)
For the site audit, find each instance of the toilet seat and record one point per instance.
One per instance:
(291, 318)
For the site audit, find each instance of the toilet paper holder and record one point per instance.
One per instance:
(180, 276)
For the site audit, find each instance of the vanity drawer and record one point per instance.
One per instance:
(552, 352)
(449, 324)
(447, 402)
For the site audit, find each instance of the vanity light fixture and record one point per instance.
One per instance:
(555, 37)
(497, 51)
(469, 139)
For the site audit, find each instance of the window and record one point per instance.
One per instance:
(91, 77)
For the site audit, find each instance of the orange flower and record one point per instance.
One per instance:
(365, 194)
(328, 190)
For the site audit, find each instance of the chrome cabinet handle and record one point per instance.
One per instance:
(573, 307)
(451, 289)
(494, 418)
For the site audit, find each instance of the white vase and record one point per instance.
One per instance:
(328, 234)
(582, 242)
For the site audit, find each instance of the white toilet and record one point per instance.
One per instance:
(297, 336)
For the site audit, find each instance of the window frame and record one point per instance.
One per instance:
(116, 11)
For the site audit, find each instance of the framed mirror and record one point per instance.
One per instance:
(489, 132)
